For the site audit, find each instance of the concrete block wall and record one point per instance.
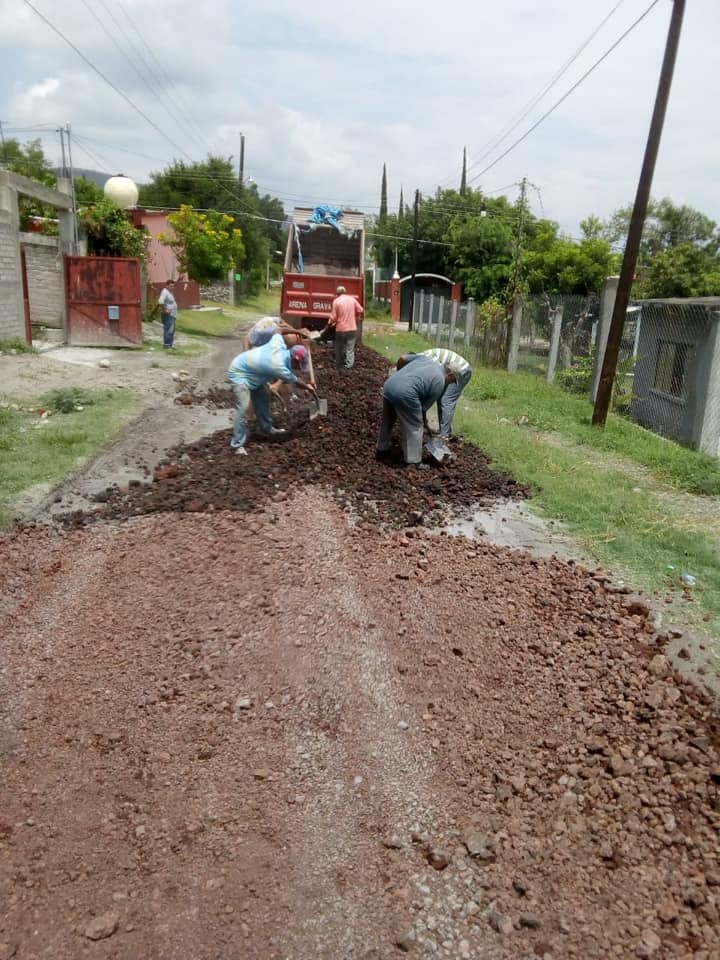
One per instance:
(12, 311)
(44, 276)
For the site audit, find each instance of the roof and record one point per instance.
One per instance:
(353, 219)
(687, 301)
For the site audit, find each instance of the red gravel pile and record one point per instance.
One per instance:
(337, 452)
(277, 736)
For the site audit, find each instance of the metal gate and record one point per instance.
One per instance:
(104, 307)
(26, 295)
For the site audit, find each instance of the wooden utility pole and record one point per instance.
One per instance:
(637, 221)
(241, 164)
(416, 216)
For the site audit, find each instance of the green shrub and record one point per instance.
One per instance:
(67, 399)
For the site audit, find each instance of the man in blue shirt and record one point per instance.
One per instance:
(251, 372)
(407, 394)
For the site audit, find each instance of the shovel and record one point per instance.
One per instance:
(318, 407)
(437, 449)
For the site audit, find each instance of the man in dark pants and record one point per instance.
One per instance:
(169, 310)
(407, 394)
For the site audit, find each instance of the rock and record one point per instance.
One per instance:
(668, 911)
(479, 845)
(431, 660)
(102, 927)
(520, 886)
(392, 843)
(619, 767)
(403, 725)
(243, 703)
(501, 923)
(650, 941)
(529, 920)
(405, 941)
(659, 666)
(104, 364)
(166, 473)
(471, 908)
(464, 949)
(438, 858)
(262, 774)
(7, 951)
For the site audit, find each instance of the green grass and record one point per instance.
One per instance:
(33, 451)
(17, 344)
(197, 348)
(618, 490)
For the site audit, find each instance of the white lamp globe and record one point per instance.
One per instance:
(122, 191)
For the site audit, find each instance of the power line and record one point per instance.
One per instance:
(565, 95)
(533, 102)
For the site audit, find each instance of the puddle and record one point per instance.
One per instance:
(510, 524)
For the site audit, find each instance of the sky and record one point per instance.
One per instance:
(327, 91)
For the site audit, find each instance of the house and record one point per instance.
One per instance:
(676, 389)
(161, 263)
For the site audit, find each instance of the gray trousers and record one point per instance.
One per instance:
(449, 400)
(345, 350)
(410, 420)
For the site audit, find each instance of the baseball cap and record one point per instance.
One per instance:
(299, 355)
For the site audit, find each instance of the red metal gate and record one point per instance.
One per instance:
(26, 296)
(104, 307)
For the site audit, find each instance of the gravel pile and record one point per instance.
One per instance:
(281, 736)
(336, 452)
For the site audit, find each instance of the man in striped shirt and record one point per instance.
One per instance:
(251, 372)
(448, 401)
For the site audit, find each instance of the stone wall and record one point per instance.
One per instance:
(45, 282)
(217, 292)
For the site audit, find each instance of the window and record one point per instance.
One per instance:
(670, 367)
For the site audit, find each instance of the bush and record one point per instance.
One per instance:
(577, 378)
(17, 344)
(67, 399)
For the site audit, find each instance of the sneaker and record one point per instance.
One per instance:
(277, 432)
(417, 466)
(240, 451)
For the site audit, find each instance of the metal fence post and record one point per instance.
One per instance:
(515, 329)
(607, 305)
(441, 317)
(469, 321)
(453, 322)
(557, 315)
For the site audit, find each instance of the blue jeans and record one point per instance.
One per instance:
(448, 401)
(168, 329)
(261, 402)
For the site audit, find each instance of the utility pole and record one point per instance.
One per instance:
(637, 221)
(416, 216)
(520, 235)
(241, 164)
(2, 141)
(76, 239)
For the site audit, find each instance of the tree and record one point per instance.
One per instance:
(87, 192)
(383, 196)
(29, 160)
(401, 205)
(685, 270)
(109, 232)
(207, 245)
(212, 185)
(557, 265)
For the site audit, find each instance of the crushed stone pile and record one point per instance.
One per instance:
(337, 452)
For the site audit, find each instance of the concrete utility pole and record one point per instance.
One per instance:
(637, 221)
(241, 162)
(416, 215)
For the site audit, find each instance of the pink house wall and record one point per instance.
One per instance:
(161, 263)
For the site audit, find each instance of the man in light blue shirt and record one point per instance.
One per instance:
(251, 372)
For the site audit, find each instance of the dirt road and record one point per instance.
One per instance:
(264, 730)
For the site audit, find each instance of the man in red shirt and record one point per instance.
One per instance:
(345, 313)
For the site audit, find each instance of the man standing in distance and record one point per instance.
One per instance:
(169, 309)
(344, 315)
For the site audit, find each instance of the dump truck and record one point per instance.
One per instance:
(325, 249)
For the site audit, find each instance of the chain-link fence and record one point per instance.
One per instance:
(555, 333)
